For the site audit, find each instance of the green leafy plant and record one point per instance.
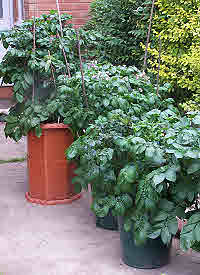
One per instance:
(196, 246)
(37, 54)
(143, 165)
(34, 55)
(119, 27)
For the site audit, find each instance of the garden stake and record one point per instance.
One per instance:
(159, 60)
(148, 36)
(61, 32)
(34, 47)
(81, 68)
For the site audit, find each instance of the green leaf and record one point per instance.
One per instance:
(77, 188)
(100, 211)
(128, 225)
(149, 152)
(154, 234)
(38, 131)
(119, 208)
(194, 167)
(19, 97)
(71, 152)
(38, 108)
(173, 226)
(35, 121)
(10, 128)
(106, 102)
(17, 134)
(126, 200)
(165, 235)
(170, 174)
(149, 204)
(161, 216)
(11, 119)
(185, 244)
(52, 107)
(127, 175)
(166, 205)
(157, 179)
(196, 120)
(29, 78)
(28, 111)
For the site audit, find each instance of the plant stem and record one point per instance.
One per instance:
(148, 36)
(81, 69)
(159, 61)
(52, 70)
(61, 32)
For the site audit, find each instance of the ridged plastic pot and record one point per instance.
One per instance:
(153, 254)
(108, 222)
(50, 174)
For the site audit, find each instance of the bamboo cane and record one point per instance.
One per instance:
(61, 36)
(81, 69)
(148, 36)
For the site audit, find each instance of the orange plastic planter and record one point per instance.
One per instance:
(50, 174)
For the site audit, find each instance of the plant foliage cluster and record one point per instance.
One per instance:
(107, 88)
(144, 164)
(120, 26)
(26, 64)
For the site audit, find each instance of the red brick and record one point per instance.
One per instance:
(78, 8)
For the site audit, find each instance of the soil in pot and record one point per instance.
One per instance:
(153, 254)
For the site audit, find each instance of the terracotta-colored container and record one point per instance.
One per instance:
(6, 92)
(49, 172)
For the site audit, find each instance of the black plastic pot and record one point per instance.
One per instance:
(153, 254)
(108, 222)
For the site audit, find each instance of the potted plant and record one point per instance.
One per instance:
(38, 51)
(107, 87)
(145, 169)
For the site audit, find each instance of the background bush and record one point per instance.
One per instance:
(120, 26)
(178, 24)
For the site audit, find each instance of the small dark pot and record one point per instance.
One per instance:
(153, 254)
(108, 222)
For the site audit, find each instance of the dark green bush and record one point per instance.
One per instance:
(121, 26)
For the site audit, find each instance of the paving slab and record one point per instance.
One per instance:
(5, 104)
(9, 149)
(63, 239)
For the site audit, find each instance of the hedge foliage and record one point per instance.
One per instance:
(177, 22)
(121, 25)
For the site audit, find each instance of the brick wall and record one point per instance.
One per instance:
(77, 8)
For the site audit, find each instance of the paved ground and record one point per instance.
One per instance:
(62, 239)
(4, 103)
(9, 149)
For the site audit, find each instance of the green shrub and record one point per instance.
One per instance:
(178, 25)
(120, 25)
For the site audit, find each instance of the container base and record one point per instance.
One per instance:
(144, 267)
(52, 202)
